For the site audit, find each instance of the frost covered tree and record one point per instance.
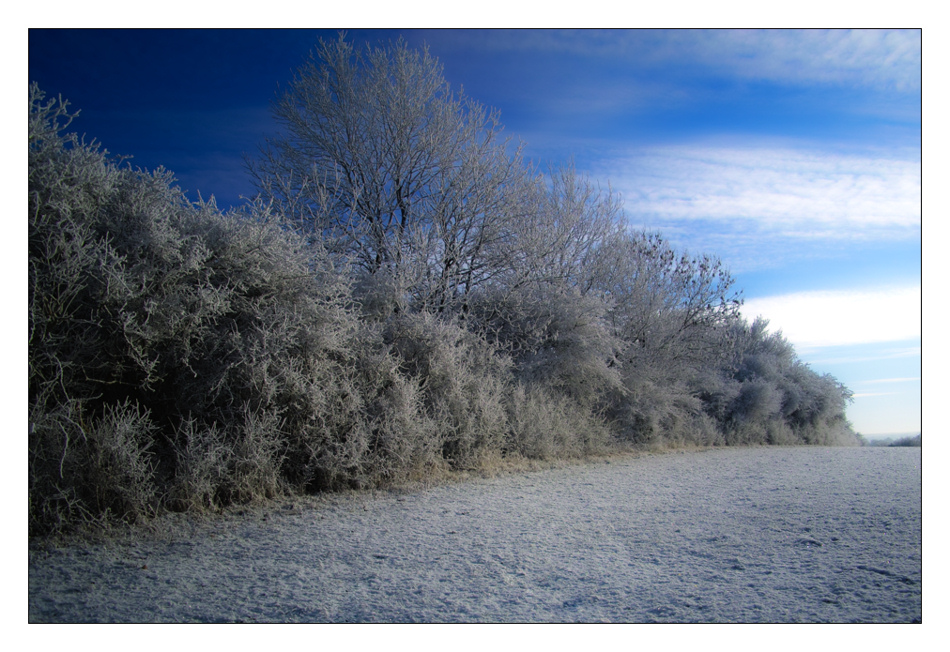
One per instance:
(673, 312)
(564, 233)
(382, 159)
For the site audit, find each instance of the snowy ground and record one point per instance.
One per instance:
(722, 535)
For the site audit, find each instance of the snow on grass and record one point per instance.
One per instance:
(724, 535)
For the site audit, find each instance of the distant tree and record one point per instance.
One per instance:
(907, 441)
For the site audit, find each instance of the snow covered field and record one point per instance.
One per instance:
(723, 535)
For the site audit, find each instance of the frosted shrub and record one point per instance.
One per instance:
(201, 464)
(556, 337)
(576, 351)
(818, 412)
(119, 463)
(546, 426)
(651, 413)
(717, 390)
(758, 400)
(536, 424)
(381, 295)
(463, 382)
(222, 328)
(406, 442)
(782, 400)
(256, 457)
(54, 437)
(83, 468)
(367, 426)
(705, 431)
(755, 416)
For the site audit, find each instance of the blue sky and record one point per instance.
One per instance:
(795, 156)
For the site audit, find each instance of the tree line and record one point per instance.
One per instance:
(405, 296)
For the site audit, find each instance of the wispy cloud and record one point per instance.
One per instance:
(756, 205)
(811, 320)
(901, 383)
(799, 193)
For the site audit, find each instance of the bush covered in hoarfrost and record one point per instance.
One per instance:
(184, 358)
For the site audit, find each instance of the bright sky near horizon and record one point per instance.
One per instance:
(793, 155)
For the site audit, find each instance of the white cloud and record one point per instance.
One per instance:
(795, 193)
(819, 319)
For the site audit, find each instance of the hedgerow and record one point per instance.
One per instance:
(323, 337)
